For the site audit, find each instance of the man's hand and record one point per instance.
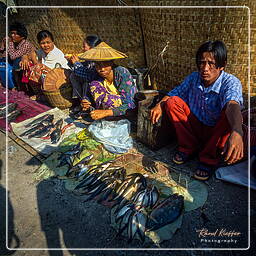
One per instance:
(85, 104)
(155, 113)
(99, 114)
(234, 148)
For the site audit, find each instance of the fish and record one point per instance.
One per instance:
(2, 106)
(68, 160)
(40, 119)
(56, 133)
(129, 181)
(41, 131)
(132, 227)
(165, 212)
(123, 210)
(75, 173)
(13, 115)
(85, 160)
(141, 224)
(100, 188)
(10, 107)
(124, 221)
(31, 130)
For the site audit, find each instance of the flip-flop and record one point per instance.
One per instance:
(180, 157)
(207, 169)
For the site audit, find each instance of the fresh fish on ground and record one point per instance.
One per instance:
(10, 107)
(124, 221)
(13, 115)
(96, 191)
(31, 130)
(141, 224)
(73, 151)
(165, 212)
(2, 105)
(75, 171)
(56, 134)
(75, 174)
(68, 160)
(9, 110)
(129, 181)
(40, 132)
(47, 117)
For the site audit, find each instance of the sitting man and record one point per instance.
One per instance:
(205, 110)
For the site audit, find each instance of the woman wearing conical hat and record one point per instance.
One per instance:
(113, 89)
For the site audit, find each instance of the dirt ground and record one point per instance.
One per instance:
(45, 215)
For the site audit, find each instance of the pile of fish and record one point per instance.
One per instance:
(44, 128)
(75, 171)
(143, 213)
(101, 181)
(137, 207)
(9, 111)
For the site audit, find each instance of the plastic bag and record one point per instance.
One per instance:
(114, 135)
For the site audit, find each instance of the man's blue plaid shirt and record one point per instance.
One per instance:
(206, 103)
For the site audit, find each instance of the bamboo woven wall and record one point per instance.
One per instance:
(119, 28)
(186, 29)
(125, 30)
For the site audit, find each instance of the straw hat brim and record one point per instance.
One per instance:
(102, 52)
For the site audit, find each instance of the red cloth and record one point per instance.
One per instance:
(29, 107)
(193, 136)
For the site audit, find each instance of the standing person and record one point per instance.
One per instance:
(18, 46)
(83, 72)
(205, 111)
(113, 89)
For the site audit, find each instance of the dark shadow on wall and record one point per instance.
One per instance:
(13, 240)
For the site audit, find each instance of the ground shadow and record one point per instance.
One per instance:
(12, 240)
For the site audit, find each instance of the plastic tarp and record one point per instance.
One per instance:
(43, 146)
(114, 135)
(238, 173)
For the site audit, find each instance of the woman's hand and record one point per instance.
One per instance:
(99, 114)
(24, 63)
(85, 104)
(72, 59)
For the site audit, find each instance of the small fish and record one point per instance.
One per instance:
(56, 133)
(11, 108)
(40, 119)
(43, 130)
(13, 115)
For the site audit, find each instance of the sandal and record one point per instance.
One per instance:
(208, 171)
(180, 157)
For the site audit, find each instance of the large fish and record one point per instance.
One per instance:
(165, 212)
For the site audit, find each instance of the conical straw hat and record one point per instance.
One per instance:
(102, 52)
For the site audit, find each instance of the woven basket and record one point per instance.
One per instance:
(61, 98)
(36, 87)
